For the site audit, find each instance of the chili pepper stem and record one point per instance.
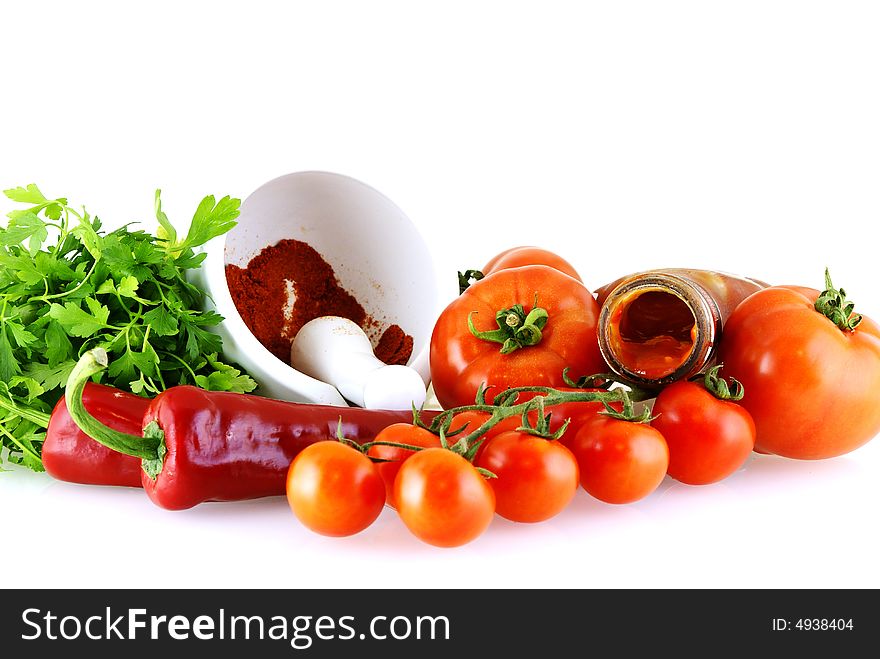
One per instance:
(92, 362)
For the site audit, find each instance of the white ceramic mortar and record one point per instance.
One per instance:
(376, 252)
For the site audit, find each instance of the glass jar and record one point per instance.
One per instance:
(660, 326)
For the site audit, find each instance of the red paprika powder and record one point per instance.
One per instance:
(262, 290)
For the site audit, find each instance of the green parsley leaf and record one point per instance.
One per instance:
(199, 340)
(211, 220)
(166, 231)
(29, 442)
(58, 346)
(54, 210)
(21, 336)
(25, 226)
(9, 366)
(128, 286)
(107, 287)
(190, 260)
(50, 377)
(161, 321)
(125, 291)
(77, 322)
(34, 388)
(22, 267)
(88, 236)
(29, 195)
(225, 378)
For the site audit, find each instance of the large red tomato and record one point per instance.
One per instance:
(528, 324)
(812, 387)
(517, 257)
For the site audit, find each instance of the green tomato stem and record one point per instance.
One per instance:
(718, 387)
(516, 328)
(832, 303)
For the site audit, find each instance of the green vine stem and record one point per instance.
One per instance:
(605, 381)
(516, 328)
(548, 397)
(832, 303)
(363, 448)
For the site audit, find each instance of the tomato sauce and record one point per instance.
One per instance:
(652, 333)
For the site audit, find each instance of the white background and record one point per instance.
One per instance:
(629, 135)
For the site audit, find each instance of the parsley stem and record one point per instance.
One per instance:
(34, 416)
(46, 298)
(185, 365)
(22, 447)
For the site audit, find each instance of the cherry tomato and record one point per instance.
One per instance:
(334, 489)
(535, 478)
(442, 499)
(620, 461)
(519, 256)
(462, 361)
(812, 388)
(708, 438)
(402, 433)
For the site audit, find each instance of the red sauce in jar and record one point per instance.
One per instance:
(652, 333)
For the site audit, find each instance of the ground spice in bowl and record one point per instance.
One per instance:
(261, 294)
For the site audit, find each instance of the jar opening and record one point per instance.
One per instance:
(652, 333)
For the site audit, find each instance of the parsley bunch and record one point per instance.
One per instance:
(66, 286)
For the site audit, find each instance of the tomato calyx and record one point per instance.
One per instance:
(832, 303)
(628, 412)
(718, 386)
(516, 328)
(468, 277)
(541, 428)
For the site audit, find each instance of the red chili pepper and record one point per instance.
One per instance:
(217, 446)
(71, 455)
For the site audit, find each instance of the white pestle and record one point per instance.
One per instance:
(336, 351)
